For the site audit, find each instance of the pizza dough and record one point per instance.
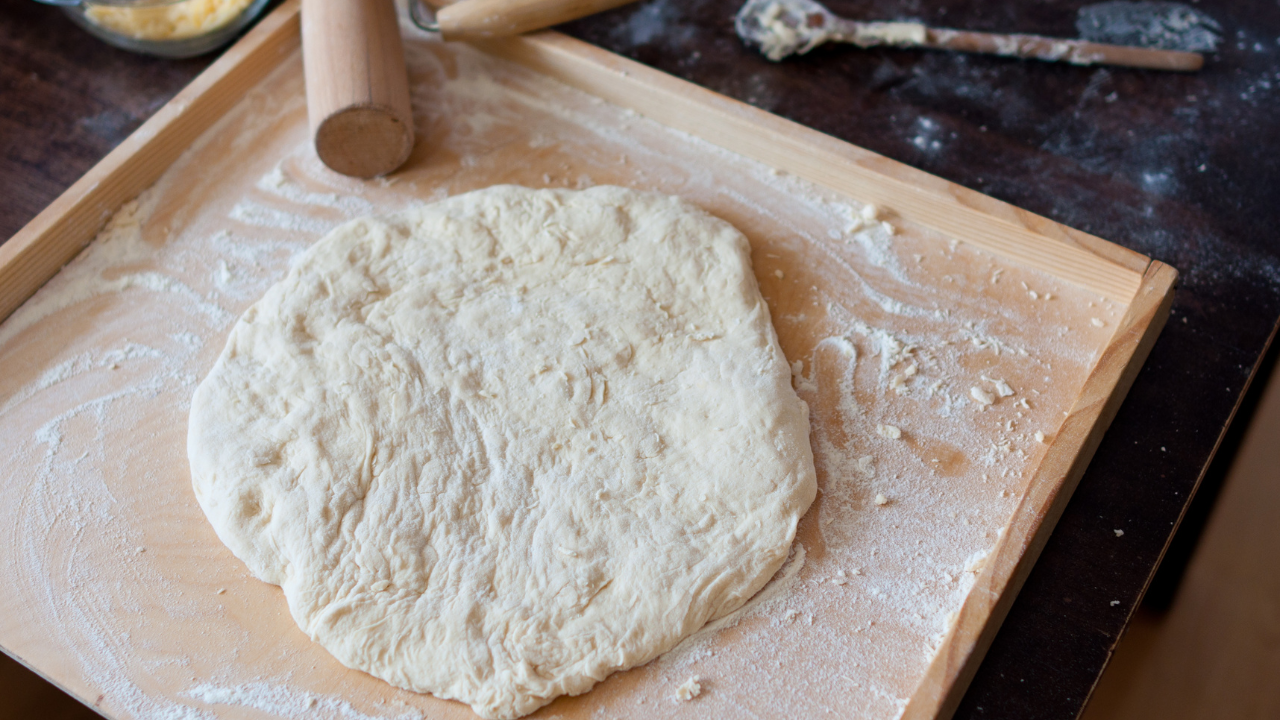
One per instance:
(499, 447)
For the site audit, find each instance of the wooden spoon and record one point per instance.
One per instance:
(788, 27)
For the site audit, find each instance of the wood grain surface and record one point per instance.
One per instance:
(790, 224)
(1163, 164)
(1046, 498)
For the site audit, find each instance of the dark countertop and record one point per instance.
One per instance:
(1179, 167)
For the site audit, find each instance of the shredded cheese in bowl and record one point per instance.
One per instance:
(176, 21)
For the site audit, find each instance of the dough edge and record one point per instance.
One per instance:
(261, 564)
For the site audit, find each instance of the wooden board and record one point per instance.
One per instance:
(122, 594)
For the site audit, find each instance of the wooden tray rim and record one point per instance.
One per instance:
(70, 222)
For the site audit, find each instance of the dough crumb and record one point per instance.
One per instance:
(1003, 389)
(866, 465)
(983, 397)
(690, 689)
(881, 500)
(889, 431)
(870, 212)
(221, 591)
(1119, 533)
(1097, 322)
(779, 274)
(1115, 603)
(1039, 436)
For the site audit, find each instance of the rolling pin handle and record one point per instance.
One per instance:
(486, 19)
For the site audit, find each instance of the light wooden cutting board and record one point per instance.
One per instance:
(120, 592)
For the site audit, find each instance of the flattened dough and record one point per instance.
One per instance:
(501, 446)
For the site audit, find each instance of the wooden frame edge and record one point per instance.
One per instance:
(983, 612)
(64, 228)
(67, 225)
(916, 196)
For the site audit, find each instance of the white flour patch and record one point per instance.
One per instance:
(284, 186)
(1166, 25)
(282, 701)
(258, 215)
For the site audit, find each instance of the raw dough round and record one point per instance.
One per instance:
(501, 446)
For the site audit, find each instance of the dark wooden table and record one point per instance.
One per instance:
(1179, 167)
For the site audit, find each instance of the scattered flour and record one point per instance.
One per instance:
(1165, 25)
(90, 275)
(94, 420)
(280, 700)
(982, 397)
(689, 689)
(891, 432)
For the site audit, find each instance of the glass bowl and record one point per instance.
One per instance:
(166, 28)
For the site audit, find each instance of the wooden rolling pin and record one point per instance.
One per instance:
(357, 85)
(476, 19)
